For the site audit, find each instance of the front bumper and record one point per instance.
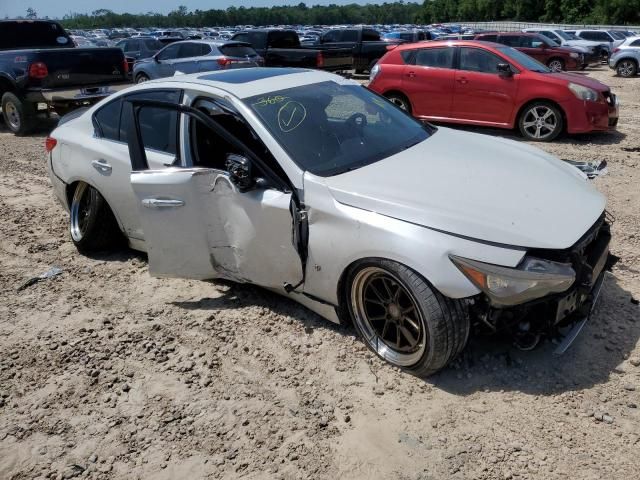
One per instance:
(584, 117)
(76, 95)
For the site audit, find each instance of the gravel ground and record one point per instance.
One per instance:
(106, 372)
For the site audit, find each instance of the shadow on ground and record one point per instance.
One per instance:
(491, 364)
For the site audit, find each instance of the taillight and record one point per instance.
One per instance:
(38, 70)
(616, 50)
(125, 66)
(319, 60)
(224, 62)
(50, 143)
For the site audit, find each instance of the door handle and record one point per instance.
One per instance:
(102, 166)
(411, 74)
(462, 80)
(161, 203)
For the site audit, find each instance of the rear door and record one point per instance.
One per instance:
(480, 94)
(189, 56)
(429, 81)
(108, 154)
(167, 59)
(198, 223)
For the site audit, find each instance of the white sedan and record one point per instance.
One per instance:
(312, 186)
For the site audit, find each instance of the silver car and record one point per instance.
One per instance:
(193, 56)
(312, 186)
(626, 58)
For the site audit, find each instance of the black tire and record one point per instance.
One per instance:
(627, 68)
(556, 65)
(92, 225)
(400, 101)
(19, 115)
(547, 134)
(142, 77)
(444, 323)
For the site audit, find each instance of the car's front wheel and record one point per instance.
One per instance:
(142, 77)
(403, 319)
(91, 223)
(399, 101)
(627, 68)
(556, 65)
(541, 122)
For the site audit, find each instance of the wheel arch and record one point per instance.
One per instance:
(396, 91)
(633, 59)
(530, 102)
(6, 85)
(70, 188)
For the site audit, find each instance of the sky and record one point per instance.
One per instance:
(58, 8)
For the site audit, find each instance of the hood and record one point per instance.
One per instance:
(477, 186)
(582, 43)
(580, 80)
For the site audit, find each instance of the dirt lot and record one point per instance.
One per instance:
(106, 372)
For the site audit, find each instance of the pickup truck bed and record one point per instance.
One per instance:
(57, 75)
(281, 48)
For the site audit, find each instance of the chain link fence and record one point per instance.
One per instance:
(518, 26)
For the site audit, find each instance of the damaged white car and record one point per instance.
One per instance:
(312, 186)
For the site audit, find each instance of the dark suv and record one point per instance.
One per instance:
(541, 48)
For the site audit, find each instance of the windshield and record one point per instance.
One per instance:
(550, 42)
(565, 35)
(523, 59)
(329, 128)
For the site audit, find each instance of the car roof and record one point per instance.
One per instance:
(446, 43)
(215, 43)
(247, 82)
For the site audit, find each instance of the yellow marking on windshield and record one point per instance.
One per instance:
(291, 115)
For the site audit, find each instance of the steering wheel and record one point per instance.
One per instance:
(357, 122)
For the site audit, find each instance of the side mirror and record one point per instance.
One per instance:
(504, 70)
(239, 169)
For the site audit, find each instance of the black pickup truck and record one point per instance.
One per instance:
(365, 44)
(42, 70)
(281, 48)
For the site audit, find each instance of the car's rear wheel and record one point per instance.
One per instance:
(541, 122)
(92, 224)
(627, 68)
(399, 101)
(19, 116)
(142, 77)
(403, 319)
(556, 65)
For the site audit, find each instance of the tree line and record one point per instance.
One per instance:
(431, 11)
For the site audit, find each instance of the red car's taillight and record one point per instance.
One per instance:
(319, 60)
(38, 70)
(50, 143)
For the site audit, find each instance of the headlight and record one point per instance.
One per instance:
(583, 93)
(374, 72)
(533, 278)
(574, 55)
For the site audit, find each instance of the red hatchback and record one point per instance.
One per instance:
(488, 84)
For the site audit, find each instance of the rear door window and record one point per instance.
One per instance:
(189, 50)
(349, 36)
(159, 126)
(510, 40)
(434, 57)
(369, 35)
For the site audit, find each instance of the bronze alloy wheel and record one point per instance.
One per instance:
(388, 316)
